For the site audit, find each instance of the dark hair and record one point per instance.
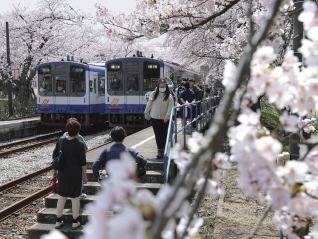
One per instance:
(187, 85)
(70, 119)
(73, 127)
(167, 92)
(118, 133)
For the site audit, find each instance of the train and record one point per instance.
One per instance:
(115, 91)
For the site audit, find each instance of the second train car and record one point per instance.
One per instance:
(130, 81)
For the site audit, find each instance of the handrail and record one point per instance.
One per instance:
(206, 109)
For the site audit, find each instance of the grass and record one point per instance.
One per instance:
(270, 118)
(209, 222)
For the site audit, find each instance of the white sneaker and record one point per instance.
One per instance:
(58, 225)
(75, 225)
(83, 195)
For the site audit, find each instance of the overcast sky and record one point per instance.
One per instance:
(85, 5)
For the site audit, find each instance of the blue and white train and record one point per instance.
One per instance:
(115, 92)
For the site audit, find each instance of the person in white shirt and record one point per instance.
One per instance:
(159, 106)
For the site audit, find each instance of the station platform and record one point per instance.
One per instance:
(19, 123)
(12, 129)
(142, 141)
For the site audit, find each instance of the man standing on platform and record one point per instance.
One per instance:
(196, 110)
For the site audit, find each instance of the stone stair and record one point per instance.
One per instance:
(46, 217)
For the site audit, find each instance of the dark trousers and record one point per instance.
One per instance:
(160, 129)
(196, 110)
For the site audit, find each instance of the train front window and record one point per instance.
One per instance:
(60, 84)
(151, 75)
(114, 81)
(45, 80)
(77, 80)
(114, 77)
(132, 82)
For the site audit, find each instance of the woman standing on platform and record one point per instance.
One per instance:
(159, 106)
(73, 173)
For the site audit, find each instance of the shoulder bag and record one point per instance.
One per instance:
(58, 161)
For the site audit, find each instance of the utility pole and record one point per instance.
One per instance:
(298, 32)
(298, 29)
(10, 108)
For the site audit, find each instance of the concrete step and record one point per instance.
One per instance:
(153, 164)
(48, 216)
(152, 187)
(51, 201)
(92, 188)
(152, 176)
(39, 229)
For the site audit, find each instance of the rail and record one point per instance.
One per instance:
(204, 111)
(7, 211)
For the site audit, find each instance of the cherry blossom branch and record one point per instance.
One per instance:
(208, 19)
(259, 223)
(310, 195)
(198, 198)
(217, 131)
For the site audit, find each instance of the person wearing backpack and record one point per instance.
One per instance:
(196, 110)
(118, 134)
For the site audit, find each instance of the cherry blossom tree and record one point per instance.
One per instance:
(51, 32)
(264, 65)
(39, 35)
(197, 33)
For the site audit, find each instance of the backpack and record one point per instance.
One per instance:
(140, 169)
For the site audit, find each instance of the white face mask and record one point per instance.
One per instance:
(162, 90)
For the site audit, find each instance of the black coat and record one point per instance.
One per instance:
(70, 177)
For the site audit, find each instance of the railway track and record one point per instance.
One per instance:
(38, 191)
(26, 200)
(22, 145)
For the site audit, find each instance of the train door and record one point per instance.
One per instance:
(132, 91)
(60, 89)
(101, 92)
(152, 70)
(78, 102)
(93, 94)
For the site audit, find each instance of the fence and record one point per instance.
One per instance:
(200, 114)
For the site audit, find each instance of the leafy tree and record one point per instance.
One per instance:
(49, 33)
